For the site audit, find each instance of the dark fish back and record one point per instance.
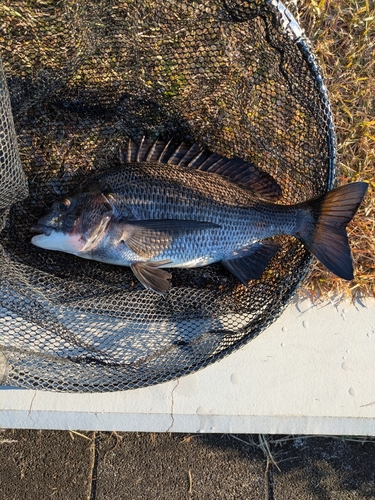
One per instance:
(156, 190)
(237, 170)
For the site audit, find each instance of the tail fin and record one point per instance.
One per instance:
(325, 236)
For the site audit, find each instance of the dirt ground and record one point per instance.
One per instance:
(103, 465)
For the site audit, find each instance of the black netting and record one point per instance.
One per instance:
(83, 78)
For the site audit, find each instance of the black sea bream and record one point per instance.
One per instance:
(189, 208)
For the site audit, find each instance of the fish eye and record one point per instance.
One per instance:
(62, 206)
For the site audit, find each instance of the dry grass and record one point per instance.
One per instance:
(343, 34)
(272, 445)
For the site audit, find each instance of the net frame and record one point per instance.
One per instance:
(38, 347)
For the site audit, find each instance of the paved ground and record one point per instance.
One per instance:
(104, 466)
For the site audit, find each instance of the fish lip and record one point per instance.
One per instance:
(41, 229)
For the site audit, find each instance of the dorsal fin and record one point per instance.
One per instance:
(137, 152)
(244, 173)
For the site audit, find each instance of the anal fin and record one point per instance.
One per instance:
(254, 263)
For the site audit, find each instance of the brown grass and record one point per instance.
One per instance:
(343, 34)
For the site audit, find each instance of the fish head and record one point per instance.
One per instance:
(75, 224)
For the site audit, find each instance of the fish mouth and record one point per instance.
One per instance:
(41, 229)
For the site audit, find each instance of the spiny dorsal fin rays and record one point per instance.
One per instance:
(191, 152)
(159, 151)
(139, 152)
(198, 160)
(130, 151)
(155, 151)
(143, 149)
(235, 169)
(165, 154)
(179, 154)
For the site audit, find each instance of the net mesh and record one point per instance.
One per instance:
(85, 76)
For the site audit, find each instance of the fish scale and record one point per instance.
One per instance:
(160, 192)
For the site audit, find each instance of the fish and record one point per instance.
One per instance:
(167, 206)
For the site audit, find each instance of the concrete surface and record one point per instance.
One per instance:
(311, 372)
(148, 466)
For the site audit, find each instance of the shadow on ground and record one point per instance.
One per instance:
(136, 466)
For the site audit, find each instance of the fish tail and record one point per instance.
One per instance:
(323, 229)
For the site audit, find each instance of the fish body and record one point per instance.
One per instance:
(189, 209)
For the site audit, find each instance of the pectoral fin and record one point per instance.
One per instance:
(252, 266)
(151, 276)
(148, 238)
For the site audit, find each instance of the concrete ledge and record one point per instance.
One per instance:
(311, 372)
